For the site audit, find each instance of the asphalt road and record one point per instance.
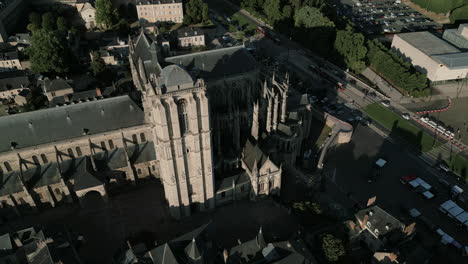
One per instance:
(349, 166)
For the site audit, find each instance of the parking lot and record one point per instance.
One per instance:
(360, 155)
(384, 16)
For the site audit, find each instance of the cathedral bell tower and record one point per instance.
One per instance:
(177, 108)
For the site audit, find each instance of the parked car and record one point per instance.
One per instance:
(405, 116)
(385, 103)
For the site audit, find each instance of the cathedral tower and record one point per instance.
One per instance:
(178, 110)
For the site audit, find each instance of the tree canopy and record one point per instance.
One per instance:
(48, 21)
(310, 17)
(48, 52)
(351, 46)
(272, 9)
(106, 14)
(196, 11)
(332, 247)
(97, 65)
(62, 24)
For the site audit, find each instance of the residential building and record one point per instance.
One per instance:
(12, 83)
(110, 57)
(20, 41)
(88, 14)
(433, 56)
(39, 245)
(190, 37)
(160, 11)
(199, 246)
(23, 97)
(56, 87)
(9, 61)
(378, 229)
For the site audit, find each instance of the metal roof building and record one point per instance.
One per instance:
(437, 58)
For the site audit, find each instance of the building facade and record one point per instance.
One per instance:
(88, 14)
(189, 37)
(153, 11)
(9, 61)
(432, 56)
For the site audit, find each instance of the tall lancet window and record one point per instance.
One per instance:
(183, 117)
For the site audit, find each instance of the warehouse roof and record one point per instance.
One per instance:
(428, 43)
(453, 60)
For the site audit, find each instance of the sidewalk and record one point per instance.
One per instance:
(383, 85)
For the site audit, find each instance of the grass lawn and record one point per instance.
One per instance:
(401, 127)
(459, 166)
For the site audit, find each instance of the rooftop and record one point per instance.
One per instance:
(428, 43)
(70, 121)
(379, 222)
(218, 63)
(453, 60)
(189, 32)
(156, 2)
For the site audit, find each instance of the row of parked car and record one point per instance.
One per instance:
(438, 127)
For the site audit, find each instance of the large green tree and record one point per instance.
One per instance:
(48, 52)
(332, 247)
(35, 21)
(62, 24)
(97, 65)
(106, 14)
(196, 11)
(49, 21)
(310, 17)
(351, 46)
(272, 9)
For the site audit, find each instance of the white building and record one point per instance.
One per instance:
(88, 14)
(433, 56)
(160, 11)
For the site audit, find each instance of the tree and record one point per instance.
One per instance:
(106, 14)
(272, 9)
(196, 11)
(35, 21)
(97, 65)
(62, 24)
(287, 11)
(332, 247)
(48, 52)
(351, 46)
(48, 21)
(310, 17)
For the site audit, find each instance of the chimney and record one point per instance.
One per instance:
(17, 241)
(410, 229)
(225, 255)
(98, 92)
(364, 221)
(371, 201)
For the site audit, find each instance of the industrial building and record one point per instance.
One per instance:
(441, 59)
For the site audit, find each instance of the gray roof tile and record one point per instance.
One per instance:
(218, 63)
(66, 122)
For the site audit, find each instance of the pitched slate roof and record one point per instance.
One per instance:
(43, 175)
(142, 152)
(66, 122)
(10, 183)
(252, 153)
(56, 84)
(174, 75)
(13, 80)
(218, 63)
(194, 250)
(189, 32)
(146, 50)
(83, 177)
